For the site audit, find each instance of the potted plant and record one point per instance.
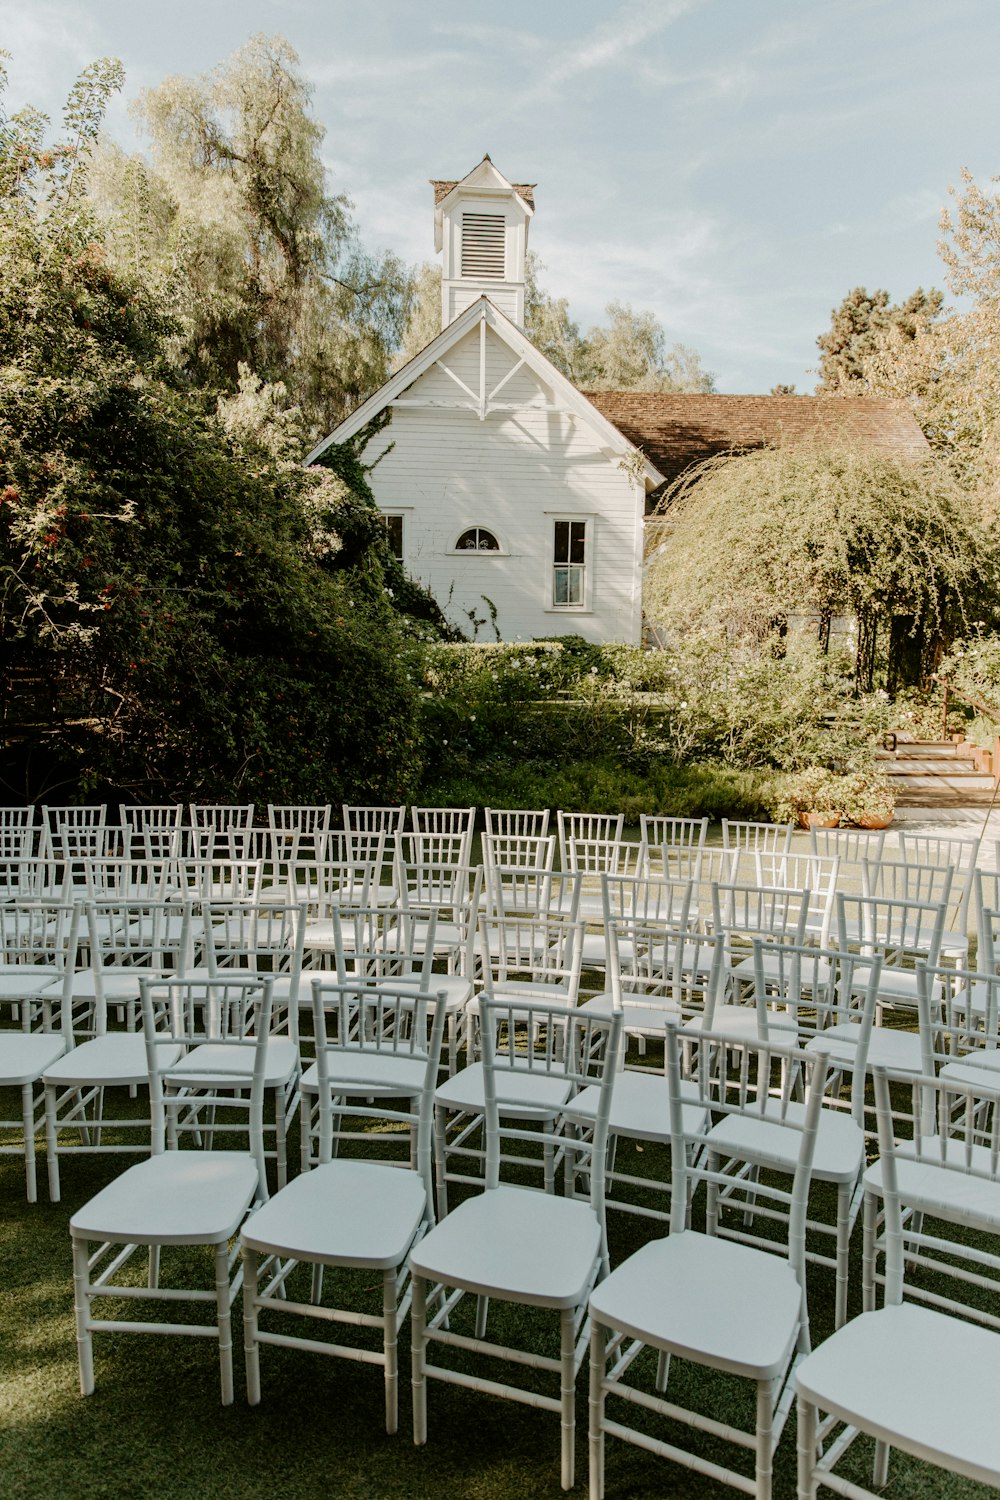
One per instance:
(811, 797)
(868, 799)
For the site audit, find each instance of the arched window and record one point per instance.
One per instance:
(477, 539)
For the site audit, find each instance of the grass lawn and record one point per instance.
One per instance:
(155, 1428)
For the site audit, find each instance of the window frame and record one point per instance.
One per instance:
(500, 550)
(400, 516)
(583, 604)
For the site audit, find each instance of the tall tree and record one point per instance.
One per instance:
(858, 328)
(258, 260)
(200, 615)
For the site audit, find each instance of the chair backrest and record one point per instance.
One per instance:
(532, 955)
(943, 851)
(18, 817)
(374, 819)
(518, 851)
(604, 856)
(651, 961)
(40, 933)
(952, 1157)
(849, 845)
(606, 826)
(743, 912)
(299, 818)
(431, 825)
(673, 846)
(517, 822)
(254, 937)
(817, 873)
(228, 1013)
(653, 897)
(532, 891)
(756, 838)
(220, 830)
(376, 1026)
(902, 932)
(754, 1080)
(898, 880)
(125, 938)
(153, 832)
(959, 1015)
(815, 989)
(580, 1048)
(385, 944)
(219, 877)
(347, 875)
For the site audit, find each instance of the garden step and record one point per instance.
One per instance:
(935, 773)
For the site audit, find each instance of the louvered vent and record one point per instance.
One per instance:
(483, 245)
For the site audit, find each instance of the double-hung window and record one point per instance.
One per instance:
(569, 564)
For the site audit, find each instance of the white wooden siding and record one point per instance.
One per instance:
(513, 472)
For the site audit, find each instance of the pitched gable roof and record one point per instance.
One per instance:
(613, 441)
(525, 190)
(677, 431)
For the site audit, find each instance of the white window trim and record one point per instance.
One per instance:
(502, 549)
(390, 512)
(587, 607)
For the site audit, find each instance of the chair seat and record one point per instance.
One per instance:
(119, 1058)
(456, 988)
(523, 1096)
(708, 1300)
(207, 1066)
(645, 1017)
(639, 1107)
(115, 984)
(896, 1051)
(873, 1372)
(343, 1213)
(955, 1196)
(19, 981)
(741, 1021)
(514, 1244)
(355, 1073)
(24, 1056)
(840, 1143)
(175, 1198)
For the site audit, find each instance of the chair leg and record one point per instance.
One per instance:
(225, 1321)
(418, 1339)
(51, 1146)
(765, 1439)
(81, 1304)
(440, 1161)
(869, 1226)
(880, 1472)
(482, 1313)
(807, 1449)
(390, 1307)
(567, 1395)
(251, 1348)
(280, 1142)
(28, 1116)
(596, 1425)
(844, 1194)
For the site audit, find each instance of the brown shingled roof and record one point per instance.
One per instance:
(677, 431)
(525, 190)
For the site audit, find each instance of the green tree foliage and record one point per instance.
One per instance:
(184, 611)
(823, 532)
(259, 262)
(859, 326)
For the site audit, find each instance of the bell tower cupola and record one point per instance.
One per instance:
(481, 228)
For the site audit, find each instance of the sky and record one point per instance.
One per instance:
(736, 166)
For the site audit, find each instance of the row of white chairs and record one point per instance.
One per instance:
(711, 1297)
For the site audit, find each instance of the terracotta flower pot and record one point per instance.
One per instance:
(873, 822)
(819, 819)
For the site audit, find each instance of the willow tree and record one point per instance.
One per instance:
(822, 532)
(257, 259)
